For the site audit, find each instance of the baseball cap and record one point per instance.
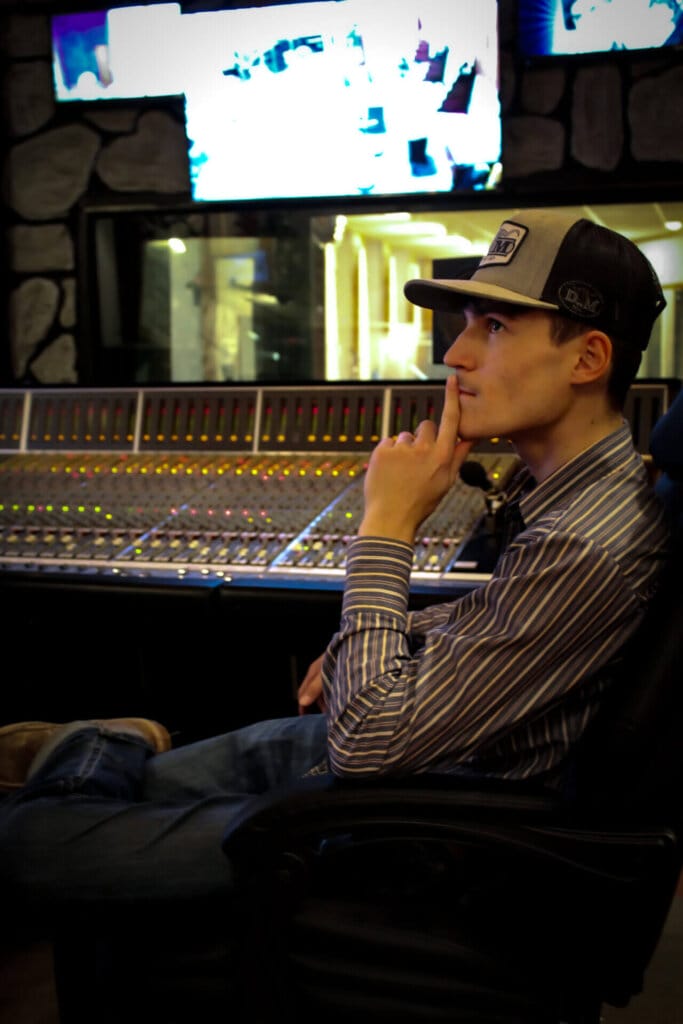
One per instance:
(546, 259)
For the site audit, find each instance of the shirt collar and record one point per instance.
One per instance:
(599, 460)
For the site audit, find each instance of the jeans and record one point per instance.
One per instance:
(105, 824)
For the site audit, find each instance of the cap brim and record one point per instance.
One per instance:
(445, 296)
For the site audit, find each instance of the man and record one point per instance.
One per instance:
(501, 682)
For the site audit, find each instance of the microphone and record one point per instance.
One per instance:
(474, 474)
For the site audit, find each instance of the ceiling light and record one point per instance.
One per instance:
(416, 228)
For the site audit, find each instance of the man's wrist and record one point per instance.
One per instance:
(372, 525)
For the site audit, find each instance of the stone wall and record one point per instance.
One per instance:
(598, 127)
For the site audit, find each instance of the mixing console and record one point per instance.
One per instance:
(233, 484)
(178, 553)
(175, 513)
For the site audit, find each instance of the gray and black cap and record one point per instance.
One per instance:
(543, 259)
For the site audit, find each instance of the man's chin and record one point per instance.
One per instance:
(474, 435)
(466, 434)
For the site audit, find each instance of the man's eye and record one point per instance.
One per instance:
(494, 325)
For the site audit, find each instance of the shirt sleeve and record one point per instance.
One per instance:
(429, 690)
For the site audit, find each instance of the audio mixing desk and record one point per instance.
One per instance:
(232, 485)
(179, 552)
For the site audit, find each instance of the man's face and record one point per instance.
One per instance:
(514, 379)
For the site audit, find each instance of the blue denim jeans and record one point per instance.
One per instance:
(103, 822)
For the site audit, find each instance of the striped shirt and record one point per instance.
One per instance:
(504, 679)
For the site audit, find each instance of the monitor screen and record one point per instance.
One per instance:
(119, 53)
(337, 98)
(564, 27)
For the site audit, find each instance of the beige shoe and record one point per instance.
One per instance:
(21, 743)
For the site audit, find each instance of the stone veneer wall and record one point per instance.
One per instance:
(571, 129)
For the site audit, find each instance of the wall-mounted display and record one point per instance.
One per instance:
(338, 98)
(549, 28)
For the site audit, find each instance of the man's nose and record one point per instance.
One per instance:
(457, 353)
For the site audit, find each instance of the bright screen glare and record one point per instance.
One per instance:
(564, 27)
(329, 99)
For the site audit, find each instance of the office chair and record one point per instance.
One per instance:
(440, 900)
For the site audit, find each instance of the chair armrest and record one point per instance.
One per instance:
(321, 806)
(310, 817)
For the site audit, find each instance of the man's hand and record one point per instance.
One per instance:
(310, 690)
(407, 477)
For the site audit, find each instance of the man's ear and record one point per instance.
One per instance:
(594, 357)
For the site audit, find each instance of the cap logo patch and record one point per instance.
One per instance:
(580, 299)
(506, 243)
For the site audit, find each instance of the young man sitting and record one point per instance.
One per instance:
(500, 682)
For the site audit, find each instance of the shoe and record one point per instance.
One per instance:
(21, 742)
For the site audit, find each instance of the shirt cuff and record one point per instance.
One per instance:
(377, 575)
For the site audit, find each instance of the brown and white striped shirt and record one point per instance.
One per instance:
(503, 680)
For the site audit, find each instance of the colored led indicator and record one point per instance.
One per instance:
(175, 421)
(343, 436)
(267, 423)
(360, 432)
(192, 417)
(377, 422)
(118, 415)
(234, 421)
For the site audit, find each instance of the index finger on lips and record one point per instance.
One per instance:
(447, 434)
